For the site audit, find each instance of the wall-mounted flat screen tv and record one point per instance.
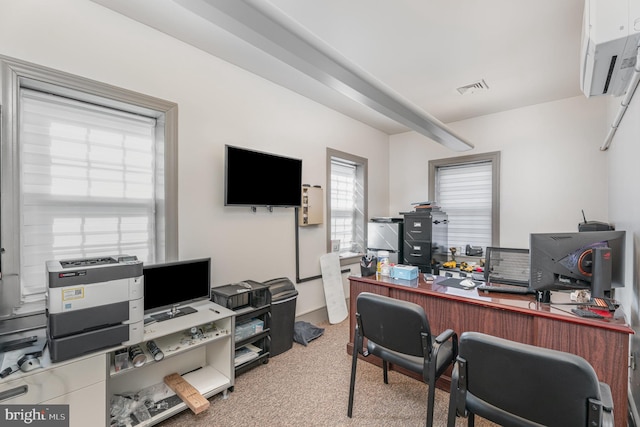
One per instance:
(254, 178)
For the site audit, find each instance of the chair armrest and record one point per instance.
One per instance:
(444, 336)
(449, 334)
(607, 405)
(605, 397)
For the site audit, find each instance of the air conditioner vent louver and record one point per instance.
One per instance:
(480, 85)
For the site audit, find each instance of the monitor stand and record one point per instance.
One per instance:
(173, 313)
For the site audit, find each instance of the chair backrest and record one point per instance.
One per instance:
(506, 379)
(394, 324)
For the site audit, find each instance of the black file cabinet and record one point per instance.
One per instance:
(251, 301)
(425, 238)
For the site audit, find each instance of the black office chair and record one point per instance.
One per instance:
(516, 384)
(398, 332)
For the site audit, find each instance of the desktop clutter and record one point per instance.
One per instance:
(586, 265)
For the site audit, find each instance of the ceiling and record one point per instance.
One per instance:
(418, 51)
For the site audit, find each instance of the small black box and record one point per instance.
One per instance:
(595, 226)
(242, 294)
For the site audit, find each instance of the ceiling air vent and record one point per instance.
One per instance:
(480, 85)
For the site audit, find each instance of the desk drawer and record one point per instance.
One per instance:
(59, 379)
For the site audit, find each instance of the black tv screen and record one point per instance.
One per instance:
(254, 178)
(175, 284)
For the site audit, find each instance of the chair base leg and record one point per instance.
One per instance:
(431, 397)
(352, 383)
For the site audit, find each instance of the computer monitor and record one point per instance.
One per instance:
(591, 260)
(169, 287)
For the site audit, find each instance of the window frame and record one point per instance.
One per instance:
(494, 159)
(16, 74)
(362, 205)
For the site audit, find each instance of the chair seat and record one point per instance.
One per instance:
(413, 363)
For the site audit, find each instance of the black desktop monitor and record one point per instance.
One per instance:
(169, 287)
(570, 261)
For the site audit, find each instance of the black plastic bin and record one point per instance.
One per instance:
(283, 314)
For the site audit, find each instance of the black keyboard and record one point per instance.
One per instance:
(519, 290)
(586, 313)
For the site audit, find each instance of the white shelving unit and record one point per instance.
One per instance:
(204, 357)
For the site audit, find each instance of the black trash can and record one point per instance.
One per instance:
(283, 314)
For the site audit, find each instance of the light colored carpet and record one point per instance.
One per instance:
(309, 386)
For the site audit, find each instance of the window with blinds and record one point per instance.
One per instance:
(87, 184)
(347, 198)
(464, 193)
(467, 189)
(343, 203)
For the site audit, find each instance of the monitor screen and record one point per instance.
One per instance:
(507, 265)
(176, 284)
(253, 178)
(561, 261)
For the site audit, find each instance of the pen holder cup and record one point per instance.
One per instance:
(368, 267)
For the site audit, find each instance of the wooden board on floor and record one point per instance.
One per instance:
(187, 393)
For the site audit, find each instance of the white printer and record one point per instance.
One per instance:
(93, 303)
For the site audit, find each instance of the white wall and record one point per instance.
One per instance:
(624, 203)
(552, 167)
(218, 104)
(624, 211)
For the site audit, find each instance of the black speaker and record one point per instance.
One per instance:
(601, 273)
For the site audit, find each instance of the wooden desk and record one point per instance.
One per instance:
(603, 343)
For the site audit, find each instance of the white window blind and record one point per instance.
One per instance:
(86, 184)
(464, 193)
(343, 203)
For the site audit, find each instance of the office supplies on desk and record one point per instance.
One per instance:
(368, 265)
(406, 272)
(467, 283)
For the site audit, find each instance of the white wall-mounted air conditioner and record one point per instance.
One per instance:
(610, 38)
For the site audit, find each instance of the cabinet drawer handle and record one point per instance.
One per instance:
(14, 392)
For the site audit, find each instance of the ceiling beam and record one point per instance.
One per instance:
(265, 27)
